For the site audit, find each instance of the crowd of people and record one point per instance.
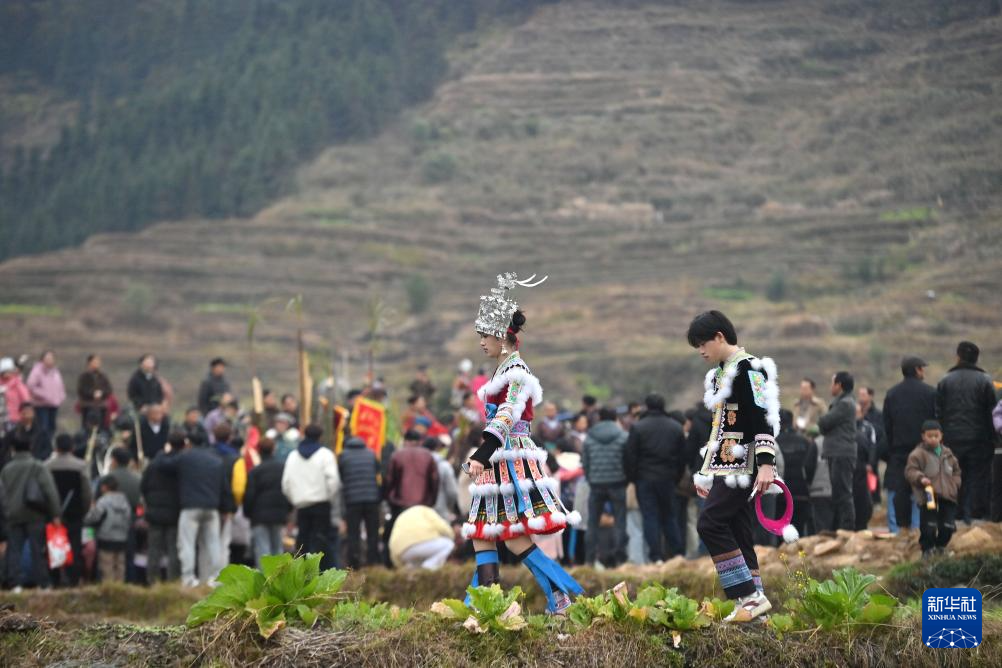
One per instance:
(146, 492)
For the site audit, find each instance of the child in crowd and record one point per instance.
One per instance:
(111, 516)
(932, 464)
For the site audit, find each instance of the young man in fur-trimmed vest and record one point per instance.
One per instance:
(738, 460)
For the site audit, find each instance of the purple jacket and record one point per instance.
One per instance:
(46, 386)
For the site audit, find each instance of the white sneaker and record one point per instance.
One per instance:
(748, 608)
(191, 583)
(16, 590)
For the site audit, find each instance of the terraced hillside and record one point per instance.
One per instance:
(827, 172)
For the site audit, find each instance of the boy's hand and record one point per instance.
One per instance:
(925, 481)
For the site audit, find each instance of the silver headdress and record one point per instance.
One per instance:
(497, 308)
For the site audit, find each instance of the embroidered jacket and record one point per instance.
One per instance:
(743, 395)
(514, 390)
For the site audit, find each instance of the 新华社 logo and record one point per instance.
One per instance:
(951, 618)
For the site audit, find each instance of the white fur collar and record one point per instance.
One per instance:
(711, 399)
(514, 369)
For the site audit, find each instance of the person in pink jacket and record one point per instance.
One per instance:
(15, 394)
(47, 390)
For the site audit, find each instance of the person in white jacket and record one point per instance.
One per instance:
(310, 481)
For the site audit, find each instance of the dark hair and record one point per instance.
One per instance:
(352, 393)
(869, 390)
(313, 431)
(654, 402)
(678, 416)
(46, 352)
(785, 418)
(64, 442)
(968, 352)
(411, 400)
(177, 439)
(412, 435)
(705, 326)
(266, 447)
(911, 365)
(517, 325)
(90, 358)
(845, 379)
(144, 356)
(432, 443)
(589, 400)
(809, 381)
(216, 361)
(121, 456)
(287, 395)
(931, 425)
(222, 432)
(607, 413)
(109, 483)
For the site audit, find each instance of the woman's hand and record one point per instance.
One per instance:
(702, 492)
(476, 468)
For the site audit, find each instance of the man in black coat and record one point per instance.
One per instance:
(265, 506)
(654, 460)
(30, 431)
(73, 484)
(359, 478)
(965, 398)
(162, 504)
(906, 406)
(215, 385)
(144, 387)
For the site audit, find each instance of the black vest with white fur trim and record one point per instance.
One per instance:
(743, 395)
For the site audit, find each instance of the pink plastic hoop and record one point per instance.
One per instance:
(771, 525)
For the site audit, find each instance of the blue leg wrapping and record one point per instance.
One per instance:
(483, 557)
(550, 576)
(475, 582)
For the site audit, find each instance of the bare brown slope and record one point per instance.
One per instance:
(654, 160)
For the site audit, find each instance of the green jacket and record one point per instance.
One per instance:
(14, 478)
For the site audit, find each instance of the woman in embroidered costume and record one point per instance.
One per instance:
(512, 497)
(742, 393)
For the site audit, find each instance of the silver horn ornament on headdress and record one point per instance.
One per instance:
(497, 308)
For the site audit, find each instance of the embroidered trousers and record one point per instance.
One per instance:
(725, 525)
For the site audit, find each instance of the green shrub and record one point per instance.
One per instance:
(776, 290)
(418, 294)
(284, 590)
(439, 167)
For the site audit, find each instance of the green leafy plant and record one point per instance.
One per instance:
(781, 624)
(654, 606)
(716, 609)
(842, 602)
(286, 589)
(491, 609)
(371, 616)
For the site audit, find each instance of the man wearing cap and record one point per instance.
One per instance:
(965, 398)
(214, 386)
(906, 406)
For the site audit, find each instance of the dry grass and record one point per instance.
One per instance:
(430, 642)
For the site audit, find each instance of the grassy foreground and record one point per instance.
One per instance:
(427, 641)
